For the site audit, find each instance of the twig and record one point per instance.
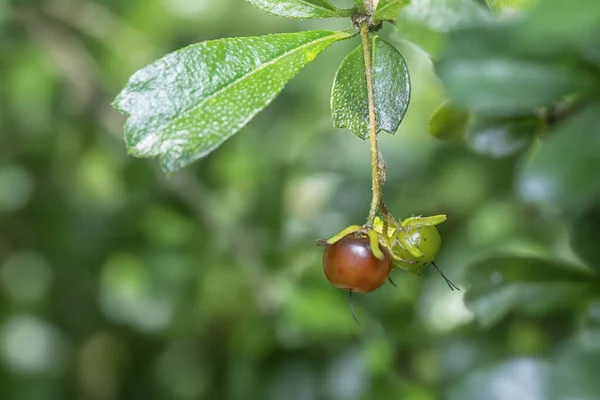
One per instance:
(375, 176)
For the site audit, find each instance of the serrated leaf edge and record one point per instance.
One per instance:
(359, 49)
(132, 150)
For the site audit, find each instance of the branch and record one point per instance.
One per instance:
(375, 175)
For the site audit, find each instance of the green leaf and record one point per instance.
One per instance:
(564, 172)
(485, 71)
(424, 22)
(524, 285)
(585, 237)
(445, 15)
(391, 81)
(185, 105)
(388, 10)
(522, 378)
(303, 9)
(504, 6)
(501, 137)
(448, 122)
(504, 85)
(558, 25)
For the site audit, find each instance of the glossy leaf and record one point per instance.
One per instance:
(564, 172)
(484, 70)
(389, 9)
(524, 285)
(448, 122)
(189, 102)
(302, 9)
(502, 137)
(391, 81)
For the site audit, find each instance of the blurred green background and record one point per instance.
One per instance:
(118, 282)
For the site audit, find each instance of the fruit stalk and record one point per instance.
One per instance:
(375, 176)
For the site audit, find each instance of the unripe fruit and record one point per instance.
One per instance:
(349, 264)
(425, 238)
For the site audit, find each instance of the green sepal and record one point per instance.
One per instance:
(374, 243)
(345, 232)
(417, 222)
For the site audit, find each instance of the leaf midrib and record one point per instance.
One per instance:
(243, 77)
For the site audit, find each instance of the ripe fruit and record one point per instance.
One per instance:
(349, 264)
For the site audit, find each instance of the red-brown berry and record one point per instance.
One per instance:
(349, 264)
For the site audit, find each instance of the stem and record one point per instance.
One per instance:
(375, 178)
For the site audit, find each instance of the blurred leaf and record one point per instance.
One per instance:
(447, 122)
(444, 15)
(175, 229)
(188, 103)
(129, 296)
(564, 172)
(502, 137)
(525, 285)
(591, 316)
(590, 50)
(16, 187)
(585, 238)
(316, 313)
(30, 346)
(509, 5)
(422, 22)
(391, 81)
(25, 277)
(559, 24)
(571, 373)
(575, 368)
(524, 379)
(484, 70)
(389, 9)
(348, 376)
(302, 9)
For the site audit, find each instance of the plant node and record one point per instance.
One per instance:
(359, 18)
